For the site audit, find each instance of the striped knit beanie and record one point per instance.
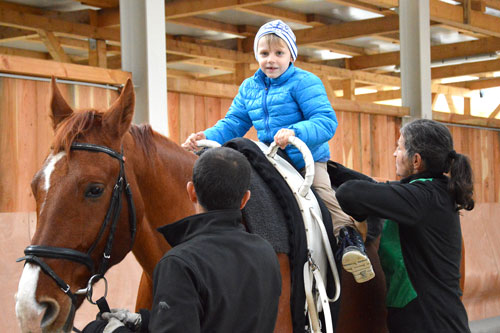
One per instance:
(280, 29)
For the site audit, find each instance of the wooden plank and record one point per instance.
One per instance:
(53, 46)
(23, 20)
(186, 118)
(199, 114)
(212, 109)
(182, 8)
(347, 145)
(487, 163)
(496, 166)
(173, 117)
(347, 30)
(97, 53)
(366, 145)
(364, 107)
(356, 141)
(47, 68)
(465, 69)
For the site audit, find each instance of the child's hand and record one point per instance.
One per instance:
(190, 143)
(281, 138)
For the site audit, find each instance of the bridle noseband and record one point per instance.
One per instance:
(34, 253)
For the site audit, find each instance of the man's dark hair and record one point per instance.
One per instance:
(221, 177)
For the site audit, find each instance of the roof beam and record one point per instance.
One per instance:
(438, 52)
(205, 24)
(183, 8)
(277, 13)
(53, 46)
(477, 84)
(207, 52)
(347, 30)
(29, 21)
(454, 16)
(465, 69)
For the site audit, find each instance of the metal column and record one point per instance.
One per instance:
(414, 36)
(142, 25)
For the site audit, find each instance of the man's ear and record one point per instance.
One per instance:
(191, 192)
(418, 163)
(245, 199)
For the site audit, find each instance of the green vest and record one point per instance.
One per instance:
(400, 290)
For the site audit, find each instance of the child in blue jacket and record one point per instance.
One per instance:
(281, 100)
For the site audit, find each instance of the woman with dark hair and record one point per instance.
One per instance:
(421, 244)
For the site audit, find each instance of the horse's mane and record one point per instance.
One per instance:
(75, 125)
(80, 123)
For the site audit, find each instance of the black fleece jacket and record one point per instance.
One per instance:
(431, 243)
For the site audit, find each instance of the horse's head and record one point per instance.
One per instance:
(85, 218)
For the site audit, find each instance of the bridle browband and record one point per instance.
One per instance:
(34, 253)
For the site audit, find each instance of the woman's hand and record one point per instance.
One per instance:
(281, 137)
(190, 143)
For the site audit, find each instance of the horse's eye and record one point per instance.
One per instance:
(94, 191)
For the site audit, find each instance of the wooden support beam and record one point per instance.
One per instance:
(434, 98)
(47, 68)
(438, 52)
(465, 69)
(9, 34)
(207, 52)
(348, 88)
(241, 72)
(183, 8)
(451, 104)
(24, 53)
(456, 118)
(384, 95)
(101, 3)
(201, 23)
(477, 84)
(23, 20)
(453, 15)
(196, 87)
(495, 112)
(347, 30)
(53, 46)
(467, 105)
(275, 13)
(97, 53)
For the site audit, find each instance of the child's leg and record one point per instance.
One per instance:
(323, 187)
(354, 258)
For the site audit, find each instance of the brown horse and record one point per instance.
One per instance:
(103, 190)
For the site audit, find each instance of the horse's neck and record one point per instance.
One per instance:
(161, 177)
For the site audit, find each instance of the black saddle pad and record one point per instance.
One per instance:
(273, 213)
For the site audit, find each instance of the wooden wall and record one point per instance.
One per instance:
(363, 141)
(26, 133)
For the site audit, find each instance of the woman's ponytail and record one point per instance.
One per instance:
(461, 184)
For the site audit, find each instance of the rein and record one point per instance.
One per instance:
(34, 253)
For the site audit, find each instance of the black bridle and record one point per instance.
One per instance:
(34, 253)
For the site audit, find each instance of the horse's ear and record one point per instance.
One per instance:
(58, 105)
(120, 114)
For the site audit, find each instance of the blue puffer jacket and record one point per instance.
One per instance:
(296, 100)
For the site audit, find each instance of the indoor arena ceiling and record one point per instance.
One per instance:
(209, 39)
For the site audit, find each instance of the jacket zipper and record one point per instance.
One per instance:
(264, 106)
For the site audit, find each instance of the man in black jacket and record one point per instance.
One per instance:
(217, 277)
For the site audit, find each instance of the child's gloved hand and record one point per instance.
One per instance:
(190, 143)
(281, 137)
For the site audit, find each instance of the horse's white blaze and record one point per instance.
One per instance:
(28, 311)
(49, 167)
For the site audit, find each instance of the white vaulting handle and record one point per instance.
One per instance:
(308, 159)
(208, 143)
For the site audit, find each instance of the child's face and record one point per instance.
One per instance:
(274, 58)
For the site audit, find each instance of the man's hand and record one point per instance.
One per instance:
(131, 319)
(190, 143)
(112, 325)
(281, 137)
